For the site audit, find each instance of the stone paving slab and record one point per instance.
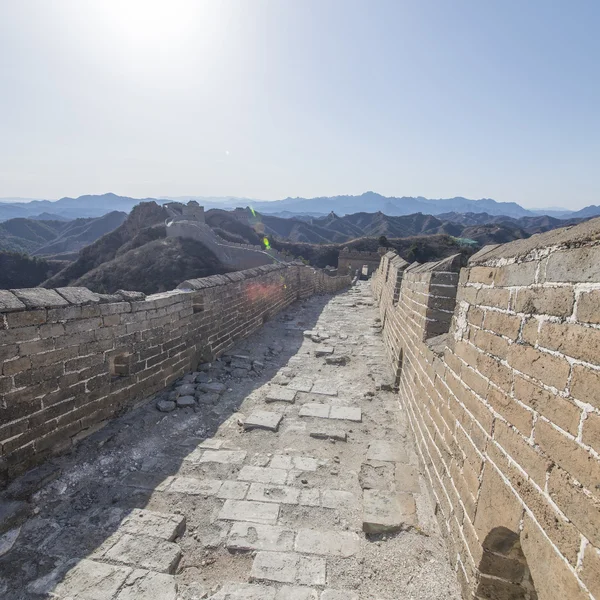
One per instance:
(387, 512)
(407, 478)
(161, 525)
(288, 592)
(301, 384)
(271, 493)
(254, 536)
(147, 585)
(338, 499)
(194, 487)
(263, 475)
(324, 389)
(142, 551)
(233, 490)
(329, 543)
(281, 394)
(320, 411)
(262, 419)
(288, 568)
(327, 411)
(346, 413)
(225, 457)
(245, 510)
(92, 579)
(386, 451)
(324, 351)
(299, 463)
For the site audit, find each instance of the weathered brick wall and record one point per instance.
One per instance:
(505, 407)
(71, 359)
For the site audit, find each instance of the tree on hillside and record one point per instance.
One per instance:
(383, 241)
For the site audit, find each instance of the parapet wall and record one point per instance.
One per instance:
(70, 359)
(355, 260)
(498, 368)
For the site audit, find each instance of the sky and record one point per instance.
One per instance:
(268, 99)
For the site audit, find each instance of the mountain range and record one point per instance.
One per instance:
(98, 205)
(45, 237)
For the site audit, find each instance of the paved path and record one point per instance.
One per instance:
(286, 473)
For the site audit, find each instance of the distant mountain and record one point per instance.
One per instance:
(45, 237)
(71, 208)
(481, 227)
(587, 212)
(371, 202)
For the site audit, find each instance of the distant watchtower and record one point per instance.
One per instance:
(192, 211)
(242, 215)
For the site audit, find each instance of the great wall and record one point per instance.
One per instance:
(493, 398)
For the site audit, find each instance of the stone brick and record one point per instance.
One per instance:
(557, 409)
(585, 384)
(502, 323)
(571, 339)
(150, 553)
(491, 343)
(18, 365)
(579, 506)
(590, 570)
(342, 544)
(387, 511)
(516, 274)
(39, 298)
(288, 568)
(575, 265)
(254, 512)
(91, 579)
(591, 431)
(588, 307)
(254, 536)
(557, 301)
(568, 454)
(263, 475)
(511, 410)
(9, 302)
(26, 318)
(546, 368)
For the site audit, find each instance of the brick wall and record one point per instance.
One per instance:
(498, 367)
(71, 359)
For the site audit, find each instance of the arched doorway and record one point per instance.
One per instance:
(503, 570)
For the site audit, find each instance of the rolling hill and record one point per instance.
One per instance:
(47, 237)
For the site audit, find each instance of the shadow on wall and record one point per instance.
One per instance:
(503, 570)
(128, 465)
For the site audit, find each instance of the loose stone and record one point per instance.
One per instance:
(166, 405)
(262, 419)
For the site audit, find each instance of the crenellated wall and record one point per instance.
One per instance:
(70, 359)
(498, 369)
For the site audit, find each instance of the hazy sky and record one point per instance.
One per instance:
(268, 99)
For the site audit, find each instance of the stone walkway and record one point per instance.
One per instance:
(282, 472)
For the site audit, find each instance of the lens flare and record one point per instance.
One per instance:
(266, 243)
